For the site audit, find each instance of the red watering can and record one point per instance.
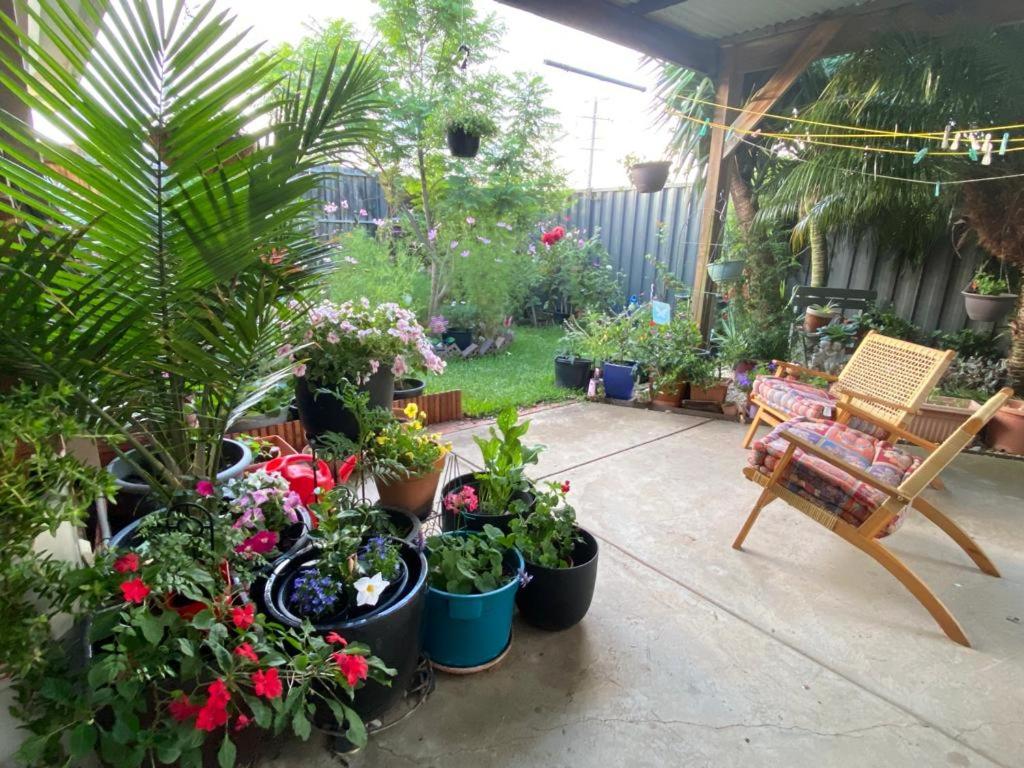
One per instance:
(297, 469)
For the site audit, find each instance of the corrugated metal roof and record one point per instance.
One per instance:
(718, 19)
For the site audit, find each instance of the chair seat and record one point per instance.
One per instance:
(837, 491)
(795, 398)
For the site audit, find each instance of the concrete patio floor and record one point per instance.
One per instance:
(798, 651)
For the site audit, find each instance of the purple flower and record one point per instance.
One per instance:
(431, 235)
(771, 367)
(363, 213)
(484, 240)
(470, 220)
(743, 380)
(438, 324)
(421, 542)
(464, 254)
(524, 578)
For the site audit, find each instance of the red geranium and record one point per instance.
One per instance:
(128, 563)
(214, 713)
(553, 235)
(243, 615)
(182, 709)
(135, 591)
(565, 487)
(336, 639)
(353, 667)
(267, 684)
(246, 652)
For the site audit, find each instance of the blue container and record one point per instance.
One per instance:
(618, 380)
(470, 630)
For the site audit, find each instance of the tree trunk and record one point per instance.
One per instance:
(819, 255)
(1015, 358)
(742, 198)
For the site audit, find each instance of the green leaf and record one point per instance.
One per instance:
(152, 628)
(300, 725)
(82, 740)
(356, 732)
(226, 753)
(186, 646)
(168, 753)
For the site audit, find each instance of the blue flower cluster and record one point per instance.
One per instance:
(313, 594)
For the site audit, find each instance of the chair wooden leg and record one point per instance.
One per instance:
(749, 437)
(937, 484)
(957, 534)
(762, 501)
(908, 579)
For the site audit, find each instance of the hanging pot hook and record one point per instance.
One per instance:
(464, 49)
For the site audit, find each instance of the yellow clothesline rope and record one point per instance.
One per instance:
(870, 131)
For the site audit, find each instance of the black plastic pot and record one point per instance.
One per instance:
(461, 337)
(559, 598)
(322, 412)
(463, 144)
(649, 177)
(408, 387)
(467, 521)
(407, 525)
(392, 633)
(572, 372)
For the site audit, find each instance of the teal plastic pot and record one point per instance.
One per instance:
(470, 630)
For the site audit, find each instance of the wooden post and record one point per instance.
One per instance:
(716, 198)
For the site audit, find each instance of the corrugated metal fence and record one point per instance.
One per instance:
(665, 226)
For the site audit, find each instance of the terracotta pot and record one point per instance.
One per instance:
(716, 393)
(412, 494)
(283, 449)
(1006, 430)
(671, 395)
(815, 320)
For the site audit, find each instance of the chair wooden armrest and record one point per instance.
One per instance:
(783, 368)
(877, 400)
(892, 429)
(850, 469)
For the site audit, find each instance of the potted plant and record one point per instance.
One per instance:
(473, 581)
(466, 121)
(706, 382)
(817, 316)
(664, 350)
(647, 176)
(271, 409)
(501, 491)
(726, 270)
(572, 369)
(1005, 432)
(264, 449)
(408, 387)
(462, 318)
(988, 297)
(354, 344)
(561, 562)
(406, 462)
(940, 416)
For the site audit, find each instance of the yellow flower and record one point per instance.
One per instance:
(423, 416)
(382, 440)
(411, 410)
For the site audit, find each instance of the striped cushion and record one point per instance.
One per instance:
(795, 398)
(835, 490)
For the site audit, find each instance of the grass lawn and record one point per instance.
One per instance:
(520, 375)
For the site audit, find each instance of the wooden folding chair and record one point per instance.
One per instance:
(884, 383)
(780, 485)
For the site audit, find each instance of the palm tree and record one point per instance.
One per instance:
(917, 84)
(150, 260)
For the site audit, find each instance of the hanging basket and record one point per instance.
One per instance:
(726, 271)
(461, 143)
(649, 177)
(988, 309)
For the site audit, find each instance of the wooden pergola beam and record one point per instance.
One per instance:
(633, 30)
(781, 80)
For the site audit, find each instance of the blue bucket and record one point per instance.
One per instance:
(618, 380)
(470, 630)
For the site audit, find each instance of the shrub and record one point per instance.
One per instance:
(382, 268)
(573, 274)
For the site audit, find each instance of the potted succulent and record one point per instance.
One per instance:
(462, 318)
(467, 624)
(817, 316)
(406, 462)
(561, 562)
(988, 297)
(502, 490)
(358, 345)
(647, 176)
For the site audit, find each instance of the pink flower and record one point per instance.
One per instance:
(182, 709)
(335, 639)
(399, 368)
(245, 651)
(241, 722)
(330, 208)
(454, 244)
(204, 488)
(299, 371)
(470, 220)
(363, 213)
(333, 338)
(344, 204)
(261, 543)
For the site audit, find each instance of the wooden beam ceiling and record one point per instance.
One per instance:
(619, 25)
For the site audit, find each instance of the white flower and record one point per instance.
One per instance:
(369, 589)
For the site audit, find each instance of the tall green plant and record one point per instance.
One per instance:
(150, 264)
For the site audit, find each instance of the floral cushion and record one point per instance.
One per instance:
(794, 398)
(837, 491)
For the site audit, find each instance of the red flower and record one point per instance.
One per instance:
(204, 488)
(135, 591)
(565, 487)
(266, 684)
(241, 722)
(182, 709)
(346, 469)
(353, 667)
(218, 694)
(214, 713)
(246, 652)
(336, 639)
(128, 563)
(261, 543)
(242, 616)
(553, 235)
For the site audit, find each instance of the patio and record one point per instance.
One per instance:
(797, 651)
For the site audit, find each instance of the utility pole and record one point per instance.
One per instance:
(593, 147)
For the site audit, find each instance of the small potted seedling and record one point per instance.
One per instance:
(817, 316)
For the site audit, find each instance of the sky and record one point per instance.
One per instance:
(625, 126)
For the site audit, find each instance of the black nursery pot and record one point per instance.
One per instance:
(461, 337)
(408, 387)
(559, 598)
(392, 632)
(463, 144)
(467, 521)
(322, 412)
(572, 372)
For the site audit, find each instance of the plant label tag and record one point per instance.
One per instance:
(661, 312)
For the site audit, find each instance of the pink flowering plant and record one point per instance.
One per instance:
(265, 510)
(353, 340)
